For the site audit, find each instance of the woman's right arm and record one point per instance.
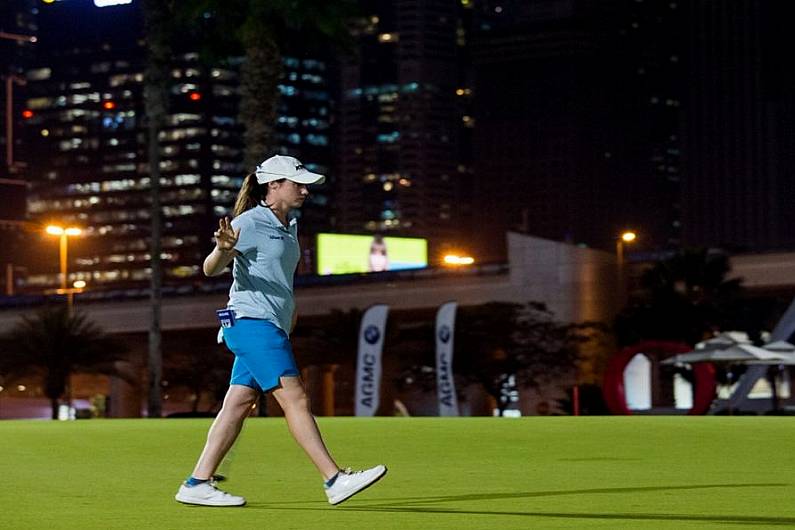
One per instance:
(224, 252)
(216, 262)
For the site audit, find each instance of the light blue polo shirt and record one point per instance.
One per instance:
(262, 275)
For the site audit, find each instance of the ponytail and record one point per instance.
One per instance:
(251, 193)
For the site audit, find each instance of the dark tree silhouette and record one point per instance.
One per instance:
(55, 345)
(684, 298)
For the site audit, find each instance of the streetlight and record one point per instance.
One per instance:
(455, 260)
(63, 234)
(626, 237)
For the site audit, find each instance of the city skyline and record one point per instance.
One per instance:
(569, 120)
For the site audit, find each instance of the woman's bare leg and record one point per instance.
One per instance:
(225, 429)
(295, 403)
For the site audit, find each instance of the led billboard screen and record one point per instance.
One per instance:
(345, 253)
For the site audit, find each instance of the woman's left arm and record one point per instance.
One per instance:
(295, 319)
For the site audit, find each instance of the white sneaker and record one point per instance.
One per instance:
(206, 494)
(349, 483)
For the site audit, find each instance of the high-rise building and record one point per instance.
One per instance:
(577, 121)
(402, 122)
(85, 144)
(741, 111)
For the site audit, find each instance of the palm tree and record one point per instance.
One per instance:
(56, 345)
(261, 31)
(683, 298)
(158, 16)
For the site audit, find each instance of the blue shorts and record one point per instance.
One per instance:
(262, 354)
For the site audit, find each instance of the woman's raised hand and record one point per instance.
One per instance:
(226, 237)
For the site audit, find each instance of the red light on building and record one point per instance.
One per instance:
(195, 96)
(27, 114)
(109, 105)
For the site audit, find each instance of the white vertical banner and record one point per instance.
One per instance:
(445, 384)
(368, 362)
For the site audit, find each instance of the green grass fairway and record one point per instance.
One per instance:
(461, 473)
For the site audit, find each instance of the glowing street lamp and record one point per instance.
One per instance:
(626, 237)
(455, 260)
(63, 233)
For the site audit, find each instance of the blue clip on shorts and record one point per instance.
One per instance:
(262, 354)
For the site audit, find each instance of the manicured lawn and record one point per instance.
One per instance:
(467, 473)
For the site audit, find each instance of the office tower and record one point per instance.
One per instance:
(741, 110)
(401, 123)
(577, 121)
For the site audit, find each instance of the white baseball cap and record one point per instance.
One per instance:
(286, 167)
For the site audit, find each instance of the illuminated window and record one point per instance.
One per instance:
(226, 181)
(224, 150)
(226, 166)
(314, 123)
(180, 134)
(39, 74)
(218, 133)
(317, 139)
(79, 99)
(184, 88)
(287, 90)
(388, 138)
(224, 196)
(183, 117)
(39, 103)
(218, 73)
(290, 121)
(183, 271)
(312, 78)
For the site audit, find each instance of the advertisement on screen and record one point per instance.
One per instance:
(347, 254)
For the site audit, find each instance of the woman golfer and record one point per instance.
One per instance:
(262, 243)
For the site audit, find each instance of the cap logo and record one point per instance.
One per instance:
(299, 166)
